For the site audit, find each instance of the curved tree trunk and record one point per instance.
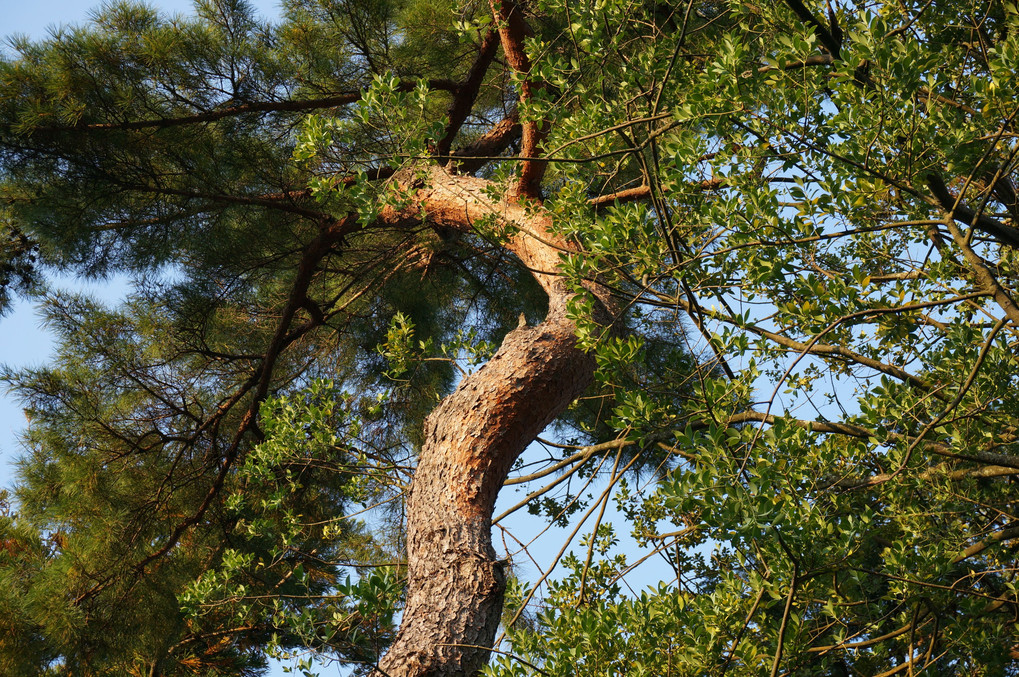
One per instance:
(455, 587)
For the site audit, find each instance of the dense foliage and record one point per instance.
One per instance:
(808, 409)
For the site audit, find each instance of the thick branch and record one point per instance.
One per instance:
(985, 277)
(1008, 534)
(829, 36)
(954, 206)
(492, 143)
(455, 584)
(455, 587)
(513, 30)
(316, 250)
(460, 202)
(294, 106)
(283, 202)
(467, 93)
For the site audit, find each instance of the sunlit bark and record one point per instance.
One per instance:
(455, 587)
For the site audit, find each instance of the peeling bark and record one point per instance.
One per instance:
(455, 591)
(455, 586)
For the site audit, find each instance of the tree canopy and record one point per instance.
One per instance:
(746, 272)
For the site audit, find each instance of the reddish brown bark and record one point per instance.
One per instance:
(467, 93)
(455, 586)
(473, 157)
(513, 30)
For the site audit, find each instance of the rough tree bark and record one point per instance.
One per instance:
(455, 586)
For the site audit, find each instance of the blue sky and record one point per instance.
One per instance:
(23, 341)
(34, 17)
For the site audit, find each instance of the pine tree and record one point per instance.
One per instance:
(712, 217)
